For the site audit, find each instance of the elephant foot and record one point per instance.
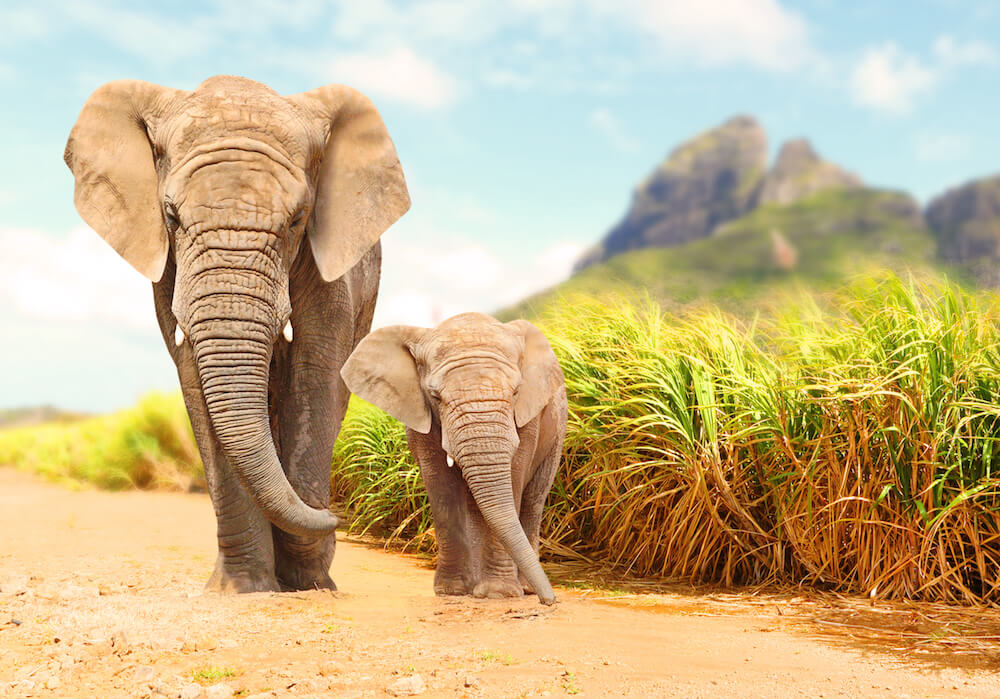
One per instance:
(496, 588)
(305, 579)
(229, 582)
(450, 586)
(302, 562)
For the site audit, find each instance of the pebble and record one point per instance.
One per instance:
(192, 691)
(312, 686)
(472, 681)
(200, 644)
(407, 686)
(68, 591)
(14, 585)
(329, 668)
(144, 673)
(219, 691)
(119, 643)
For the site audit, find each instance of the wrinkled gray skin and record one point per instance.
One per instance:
(491, 397)
(249, 211)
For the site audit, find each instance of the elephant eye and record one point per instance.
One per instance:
(434, 393)
(170, 218)
(298, 219)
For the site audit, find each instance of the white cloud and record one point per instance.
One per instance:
(761, 33)
(156, 38)
(23, 24)
(470, 268)
(77, 279)
(401, 76)
(943, 146)
(888, 80)
(78, 325)
(952, 53)
(501, 77)
(421, 285)
(550, 267)
(609, 125)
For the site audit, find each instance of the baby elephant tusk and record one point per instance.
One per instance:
(287, 332)
(451, 461)
(178, 336)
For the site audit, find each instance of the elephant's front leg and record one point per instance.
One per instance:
(499, 577)
(449, 498)
(246, 553)
(309, 399)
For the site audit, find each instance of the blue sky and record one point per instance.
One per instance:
(522, 127)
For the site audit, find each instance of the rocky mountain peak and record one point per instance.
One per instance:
(711, 178)
(798, 171)
(966, 221)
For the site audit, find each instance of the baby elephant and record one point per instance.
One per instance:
(484, 404)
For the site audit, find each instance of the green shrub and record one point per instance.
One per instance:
(148, 446)
(377, 480)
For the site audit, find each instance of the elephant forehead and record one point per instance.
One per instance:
(474, 340)
(203, 118)
(482, 379)
(240, 183)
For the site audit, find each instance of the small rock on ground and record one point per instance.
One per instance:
(330, 668)
(407, 686)
(219, 691)
(192, 691)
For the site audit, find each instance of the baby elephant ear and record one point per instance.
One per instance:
(382, 371)
(541, 375)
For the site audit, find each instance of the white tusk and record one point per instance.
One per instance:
(178, 336)
(287, 332)
(451, 461)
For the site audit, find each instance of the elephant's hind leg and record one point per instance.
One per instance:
(309, 400)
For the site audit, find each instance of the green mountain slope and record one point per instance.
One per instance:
(819, 242)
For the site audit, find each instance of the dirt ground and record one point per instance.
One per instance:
(101, 596)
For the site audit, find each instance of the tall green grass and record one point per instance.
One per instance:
(376, 479)
(148, 446)
(854, 449)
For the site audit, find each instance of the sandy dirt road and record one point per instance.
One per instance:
(101, 596)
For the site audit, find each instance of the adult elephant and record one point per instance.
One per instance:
(213, 194)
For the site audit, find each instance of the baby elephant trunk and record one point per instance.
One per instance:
(487, 471)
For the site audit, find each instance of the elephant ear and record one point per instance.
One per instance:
(111, 158)
(361, 190)
(541, 375)
(382, 371)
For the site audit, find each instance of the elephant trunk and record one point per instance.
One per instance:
(484, 454)
(233, 356)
